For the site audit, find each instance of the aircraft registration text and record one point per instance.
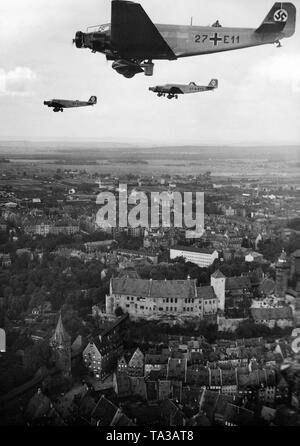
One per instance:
(216, 38)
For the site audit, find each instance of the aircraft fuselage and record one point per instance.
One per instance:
(188, 41)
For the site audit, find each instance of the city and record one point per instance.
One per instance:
(149, 247)
(114, 326)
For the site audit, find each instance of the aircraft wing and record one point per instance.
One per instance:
(57, 104)
(133, 35)
(176, 90)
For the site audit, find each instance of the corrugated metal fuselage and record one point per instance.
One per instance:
(188, 41)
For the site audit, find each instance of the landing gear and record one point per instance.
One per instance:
(279, 45)
(129, 68)
(148, 68)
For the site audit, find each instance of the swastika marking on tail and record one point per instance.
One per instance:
(281, 15)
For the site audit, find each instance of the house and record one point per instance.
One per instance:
(222, 410)
(136, 364)
(281, 317)
(156, 362)
(177, 369)
(102, 352)
(172, 415)
(238, 293)
(122, 365)
(41, 412)
(201, 257)
(106, 413)
(254, 257)
(209, 300)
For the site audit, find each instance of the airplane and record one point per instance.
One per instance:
(132, 41)
(173, 90)
(58, 105)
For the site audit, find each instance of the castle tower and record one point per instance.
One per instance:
(60, 344)
(218, 282)
(282, 273)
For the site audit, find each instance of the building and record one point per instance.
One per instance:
(92, 247)
(60, 344)
(209, 300)
(272, 317)
(254, 257)
(238, 294)
(136, 364)
(103, 351)
(201, 257)
(143, 299)
(282, 274)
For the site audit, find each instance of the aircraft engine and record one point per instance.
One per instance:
(79, 39)
(96, 41)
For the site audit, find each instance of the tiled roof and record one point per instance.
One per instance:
(137, 359)
(235, 283)
(114, 325)
(60, 336)
(104, 411)
(154, 288)
(194, 249)
(206, 292)
(271, 314)
(218, 275)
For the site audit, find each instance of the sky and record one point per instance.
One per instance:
(258, 100)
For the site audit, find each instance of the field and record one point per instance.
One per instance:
(121, 159)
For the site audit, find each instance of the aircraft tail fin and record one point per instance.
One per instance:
(133, 34)
(280, 19)
(214, 83)
(93, 100)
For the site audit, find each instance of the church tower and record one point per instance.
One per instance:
(60, 344)
(282, 273)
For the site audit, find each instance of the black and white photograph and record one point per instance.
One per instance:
(149, 216)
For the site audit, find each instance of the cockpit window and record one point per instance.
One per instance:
(99, 28)
(104, 28)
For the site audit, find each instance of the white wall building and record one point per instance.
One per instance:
(201, 257)
(160, 299)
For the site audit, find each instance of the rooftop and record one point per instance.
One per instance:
(154, 288)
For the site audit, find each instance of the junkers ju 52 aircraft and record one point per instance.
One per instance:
(58, 105)
(132, 41)
(173, 90)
